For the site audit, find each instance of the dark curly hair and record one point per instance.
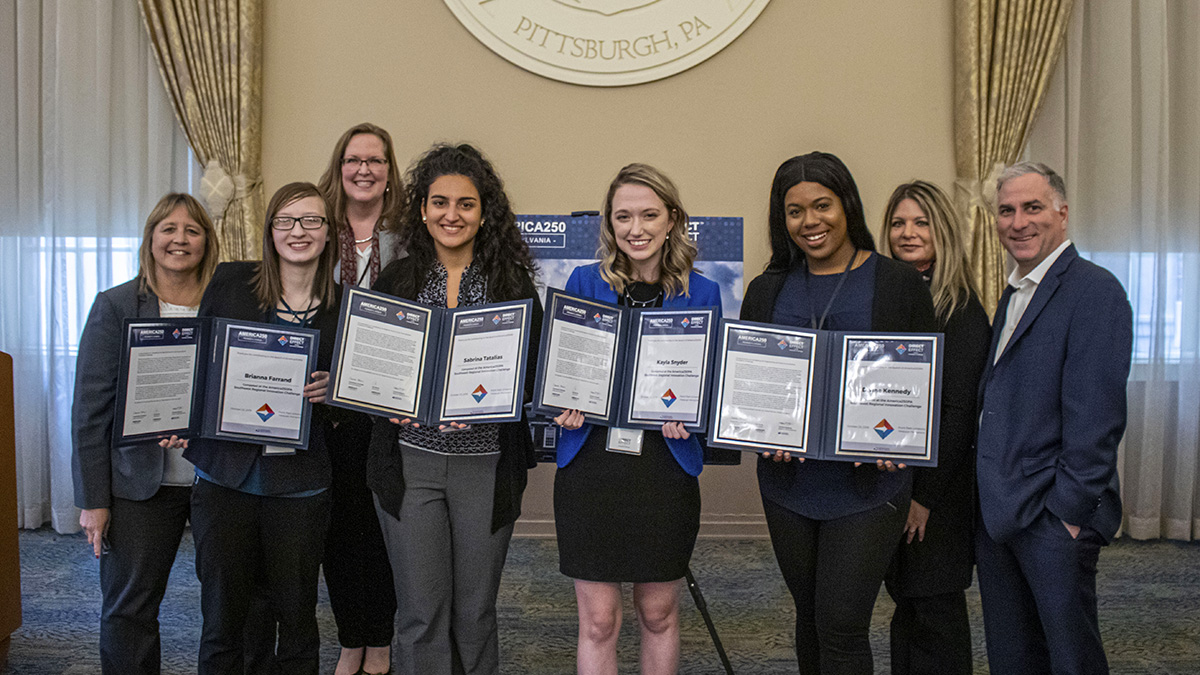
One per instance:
(499, 251)
(827, 170)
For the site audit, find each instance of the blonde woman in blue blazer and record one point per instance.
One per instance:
(623, 517)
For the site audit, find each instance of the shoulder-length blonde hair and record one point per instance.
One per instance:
(267, 284)
(678, 251)
(330, 184)
(952, 285)
(148, 268)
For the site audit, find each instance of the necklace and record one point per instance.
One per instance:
(365, 239)
(649, 294)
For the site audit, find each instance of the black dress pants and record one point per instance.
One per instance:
(143, 537)
(248, 545)
(931, 635)
(357, 571)
(833, 569)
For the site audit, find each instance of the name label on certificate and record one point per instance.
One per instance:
(887, 404)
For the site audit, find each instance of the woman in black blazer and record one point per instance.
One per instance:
(133, 498)
(447, 501)
(833, 525)
(363, 188)
(260, 520)
(932, 567)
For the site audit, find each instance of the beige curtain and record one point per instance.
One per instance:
(1004, 55)
(210, 56)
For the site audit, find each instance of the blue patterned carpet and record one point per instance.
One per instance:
(1149, 610)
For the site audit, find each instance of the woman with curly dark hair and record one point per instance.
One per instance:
(447, 498)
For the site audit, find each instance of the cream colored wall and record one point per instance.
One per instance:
(869, 81)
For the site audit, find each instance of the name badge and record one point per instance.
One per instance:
(625, 441)
(273, 450)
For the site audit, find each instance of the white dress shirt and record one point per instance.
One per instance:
(1018, 302)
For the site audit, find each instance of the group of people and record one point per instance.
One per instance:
(412, 523)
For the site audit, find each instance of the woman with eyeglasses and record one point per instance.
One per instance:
(930, 632)
(833, 525)
(134, 498)
(448, 497)
(363, 189)
(259, 519)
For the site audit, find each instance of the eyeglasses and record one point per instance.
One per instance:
(286, 223)
(371, 162)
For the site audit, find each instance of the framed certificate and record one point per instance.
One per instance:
(888, 398)
(161, 362)
(256, 383)
(763, 388)
(581, 358)
(668, 367)
(382, 361)
(481, 364)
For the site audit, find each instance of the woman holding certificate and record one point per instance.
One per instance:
(833, 525)
(632, 515)
(447, 498)
(259, 514)
(362, 186)
(932, 567)
(134, 499)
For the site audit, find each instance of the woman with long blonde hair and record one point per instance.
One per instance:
(134, 498)
(624, 517)
(932, 566)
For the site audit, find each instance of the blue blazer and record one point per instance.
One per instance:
(586, 281)
(1052, 409)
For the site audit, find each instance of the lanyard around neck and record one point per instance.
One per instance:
(302, 318)
(808, 292)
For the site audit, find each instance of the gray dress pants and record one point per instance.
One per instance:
(446, 563)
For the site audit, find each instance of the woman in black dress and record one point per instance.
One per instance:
(932, 567)
(623, 517)
(834, 525)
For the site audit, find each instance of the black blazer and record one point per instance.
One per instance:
(385, 469)
(942, 562)
(901, 303)
(100, 469)
(230, 295)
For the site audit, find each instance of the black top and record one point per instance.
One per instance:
(942, 562)
(230, 295)
(900, 302)
(385, 469)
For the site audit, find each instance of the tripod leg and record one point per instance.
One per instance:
(694, 589)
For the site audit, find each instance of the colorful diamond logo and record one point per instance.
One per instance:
(685, 322)
(265, 412)
(900, 349)
(283, 340)
(596, 317)
(669, 397)
(479, 393)
(496, 320)
(176, 333)
(400, 315)
(884, 429)
(782, 343)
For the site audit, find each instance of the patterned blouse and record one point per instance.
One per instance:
(478, 439)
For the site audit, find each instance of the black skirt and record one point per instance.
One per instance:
(623, 517)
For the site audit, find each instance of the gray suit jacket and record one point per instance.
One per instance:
(102, 470)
